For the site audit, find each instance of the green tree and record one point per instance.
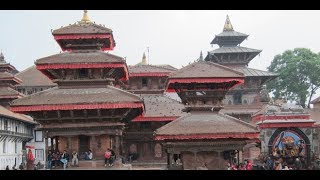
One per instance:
(299, 75)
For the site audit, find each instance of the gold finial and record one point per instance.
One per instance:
(227, 25)
(144, 59)
(85, 18)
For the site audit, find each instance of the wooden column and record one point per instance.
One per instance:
(51, 144)
(70, 144)
(93, 145)
(117, 145)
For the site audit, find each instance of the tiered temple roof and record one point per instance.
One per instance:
(209, 82)
(85, 76)
(33, 77)
(159, 107)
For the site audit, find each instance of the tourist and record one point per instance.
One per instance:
(75, 159)
(30, 160)
(298, 164)
(88, 155)
(112, 158)
(21, 166)
(269, 163)
(7, 167)
(14, 167)
(49, 160)
(64, 159)
(107, 156)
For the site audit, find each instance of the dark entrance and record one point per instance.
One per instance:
(84, 145)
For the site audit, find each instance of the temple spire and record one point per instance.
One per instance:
(201, 56)
(2, 58)
(85, 18)
(227, 25)
(144, 59)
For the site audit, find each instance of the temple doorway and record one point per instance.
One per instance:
(84, 144)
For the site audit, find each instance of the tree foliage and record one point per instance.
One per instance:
(299, 75)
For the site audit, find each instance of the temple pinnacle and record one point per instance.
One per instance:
(227, 25)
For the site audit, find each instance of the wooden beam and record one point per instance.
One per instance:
(80, 118)
(59, 114)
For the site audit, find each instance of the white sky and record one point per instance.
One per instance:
(174, 37)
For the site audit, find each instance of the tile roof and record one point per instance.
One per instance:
(10, 114)
(316, 100)
(84, 56)
(160, 105)
(82, 28)
(243, 109)
(205, 69)
(206, 123)
(151, 69)
(249, 72)
(234, 49)
(7, 91)
(33, 77)
(56, 96)
(6, 75)
(231, 33)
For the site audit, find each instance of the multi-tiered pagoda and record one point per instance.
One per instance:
(15, 129)
(149, 81)
(85, 111)
(8, 82)
(244, 100)
(205, 138)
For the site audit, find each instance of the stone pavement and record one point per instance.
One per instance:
(99, 165)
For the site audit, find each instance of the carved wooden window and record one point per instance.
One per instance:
(157, 151)
(4, 146)
(5, 125)
(39, 137)
(144, 82)
(237, 98)
(83, 73)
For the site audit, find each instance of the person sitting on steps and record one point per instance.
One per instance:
(88, 155)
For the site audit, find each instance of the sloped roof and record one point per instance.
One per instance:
(83, 56)
(5, 75)
(206, 123)
(240, 109)
(316, 100)
(56, 96)
(10, 114)
(249, 72)
(231, 33)
(205, 69)
(33, 77)
(160, 105)
(141, 68)
(82, 28)
(234, 49)
(7, 91)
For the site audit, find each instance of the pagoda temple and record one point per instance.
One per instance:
(8, 82)
(15, 129)
(244, 100)
(85, 111)
(149, 81)
(205, 138)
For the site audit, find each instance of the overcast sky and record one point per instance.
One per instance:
(173, 37)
